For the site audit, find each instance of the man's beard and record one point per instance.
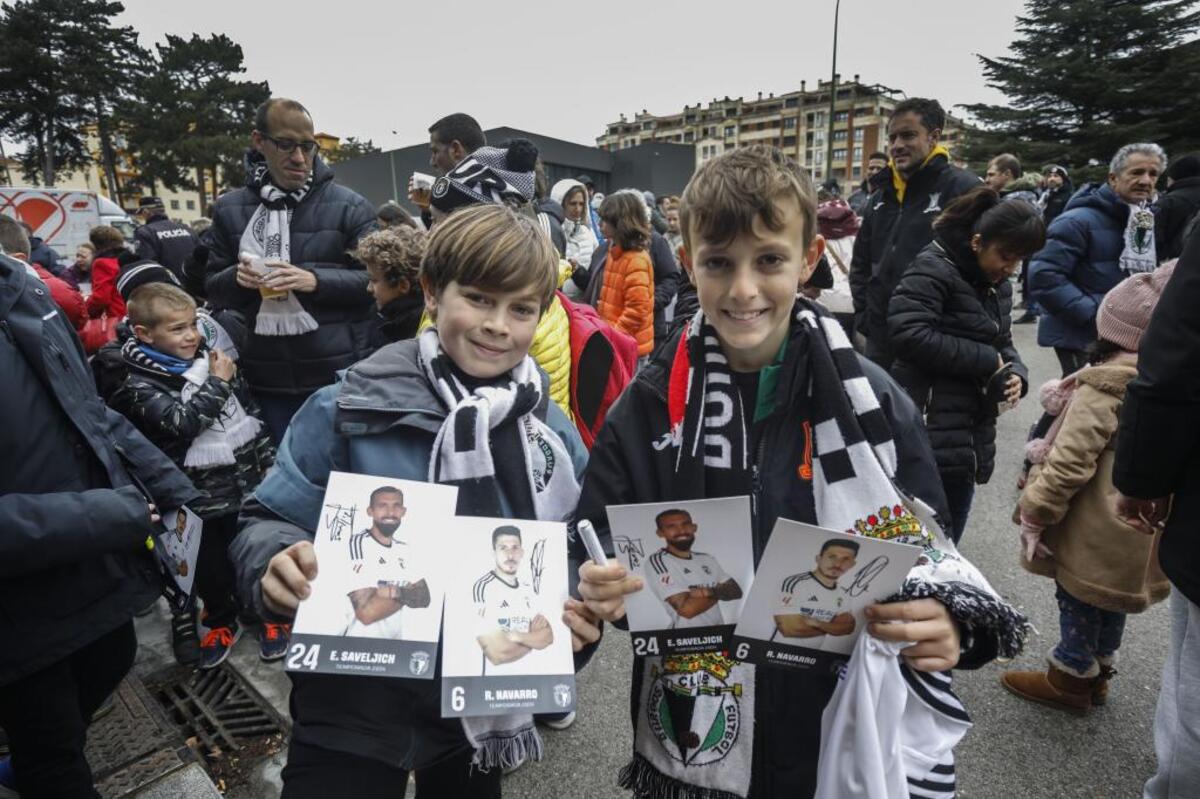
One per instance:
(684, 544)
(387, 528)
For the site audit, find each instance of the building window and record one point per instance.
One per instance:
(647, 126)
(789, 123)
(817, 119)
(690, 118)
(191, 205)
(858, 134)
(857, 171)
(687, 136)
(817, 173)
(791, 102)
(174, 205)
(731, 112)
(819, 137)
(839, 135)
(862, 111)
(840, 116)
(818, 156)
(839, 154)
(789, 141)
(858, 154)
(730, 130)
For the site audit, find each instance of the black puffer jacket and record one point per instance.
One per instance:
(153, 400)
(328, 222)
(165, 242)
(1172, 213)
(73, 525)
(950, 327)
(892, 234)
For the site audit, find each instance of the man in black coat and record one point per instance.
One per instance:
(160, 240)
(326, 290)
(906, 197)
(1158, 467)
(74, 566)
(1177, 206)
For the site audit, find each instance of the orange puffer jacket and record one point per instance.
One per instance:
(626, 299)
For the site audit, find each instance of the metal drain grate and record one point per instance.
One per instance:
(134, 744)
(218, 708)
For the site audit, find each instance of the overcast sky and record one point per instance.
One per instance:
(386, 70)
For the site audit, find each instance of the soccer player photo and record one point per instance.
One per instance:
(505, 645)
(806, 607)
(376, 603)
(178, 548)
(697, 563)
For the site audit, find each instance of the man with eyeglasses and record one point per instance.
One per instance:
(278, 255)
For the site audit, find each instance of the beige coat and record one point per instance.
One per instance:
(1097, 558)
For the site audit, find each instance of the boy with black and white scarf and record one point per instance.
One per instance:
(761, 394)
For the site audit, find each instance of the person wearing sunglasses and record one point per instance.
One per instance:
(278, 255)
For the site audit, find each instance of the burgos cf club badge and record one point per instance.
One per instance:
(562, 695)
(694, 708)
(418, 663)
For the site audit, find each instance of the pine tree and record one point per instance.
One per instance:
(191, 120)
(62, 66)
(1087, 76)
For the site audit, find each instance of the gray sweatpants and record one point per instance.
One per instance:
(1177, 720)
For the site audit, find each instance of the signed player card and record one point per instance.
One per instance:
(178, 549)
(505, 647)
(376, 603)
(806, 607)
(697, 561)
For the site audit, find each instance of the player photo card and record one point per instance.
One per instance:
(806, 608)
(505, 647)
(697, 561)
(376, 603)
(178, 549)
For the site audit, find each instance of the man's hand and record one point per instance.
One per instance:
(1012, 390)
(152, 509)
(1144, 515)
(284, 276)
(286, 580)
(584, 625)
(927, 623)
(247, 278)
(221, 365)
(604, 589)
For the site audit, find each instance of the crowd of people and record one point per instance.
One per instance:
(859, 351)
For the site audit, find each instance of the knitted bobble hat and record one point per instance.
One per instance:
(488, 175)
(1125, 311)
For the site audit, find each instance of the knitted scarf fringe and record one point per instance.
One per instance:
(507, 750)
(647, 782)
(977, 608)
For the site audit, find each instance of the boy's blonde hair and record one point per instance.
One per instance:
(146, 303)
(394, 254)
(494, 248)
(729, 192)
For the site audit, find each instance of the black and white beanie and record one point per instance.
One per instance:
(489, 175)
(139, 272)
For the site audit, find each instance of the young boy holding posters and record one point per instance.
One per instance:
(463, 405)
(845, 442)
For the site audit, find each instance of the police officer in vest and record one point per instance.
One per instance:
(161, 240)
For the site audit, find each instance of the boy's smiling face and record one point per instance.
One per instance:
(747, 286)
(486, 333)
(174, 334)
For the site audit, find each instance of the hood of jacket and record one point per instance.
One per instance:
(558, 192)
(1100, 197)
(1027, 182)
(552, 207)
(1111, 376)
(957, 248)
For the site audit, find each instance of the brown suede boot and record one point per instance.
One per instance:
(1100, 691)
(1053, 687)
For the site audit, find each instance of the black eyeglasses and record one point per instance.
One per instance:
(287, 146)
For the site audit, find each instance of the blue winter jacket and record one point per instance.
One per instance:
(380, 418)
(1070, 275)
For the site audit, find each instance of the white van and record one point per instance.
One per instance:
(63, 217)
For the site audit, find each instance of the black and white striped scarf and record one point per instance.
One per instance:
(268, 235)
(496, 437)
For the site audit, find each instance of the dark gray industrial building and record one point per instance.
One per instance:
(658, 167)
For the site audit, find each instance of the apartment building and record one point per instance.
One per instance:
(797, 122)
